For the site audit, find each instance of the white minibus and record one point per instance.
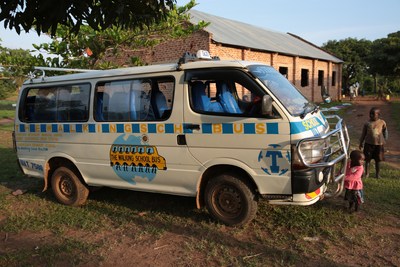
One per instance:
(229, 133)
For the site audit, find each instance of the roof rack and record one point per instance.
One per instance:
(200, 55)
(32, 74)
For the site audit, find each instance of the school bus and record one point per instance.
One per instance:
(146, 156)
(228, 133)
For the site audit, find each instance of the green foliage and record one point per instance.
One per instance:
(385, 59)
(46, 15)
(376, 65)
(354, 54)
(15, 64)
(7, 88)
(91, 49)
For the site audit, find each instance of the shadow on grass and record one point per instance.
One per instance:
(151, 214)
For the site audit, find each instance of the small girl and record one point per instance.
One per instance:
(352, 181)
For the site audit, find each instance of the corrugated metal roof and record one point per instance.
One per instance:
(237, 33)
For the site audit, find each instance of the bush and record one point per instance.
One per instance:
(7, 88)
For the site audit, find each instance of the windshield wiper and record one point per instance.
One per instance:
(309, 107)
(315, 109)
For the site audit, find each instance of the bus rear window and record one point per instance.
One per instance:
(68, 103)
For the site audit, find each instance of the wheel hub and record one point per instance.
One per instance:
(66, 186)
(229, 201)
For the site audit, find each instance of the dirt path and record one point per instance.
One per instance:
(357, 115)
(6, 120)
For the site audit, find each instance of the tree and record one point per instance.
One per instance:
(385, 59)
(354, 54)
(15, 64)
(46, 15)
(90, 49)
(384, 62)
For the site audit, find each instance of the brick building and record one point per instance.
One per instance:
(307, 66)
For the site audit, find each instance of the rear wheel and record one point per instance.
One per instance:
(68, 188)
(230, 200)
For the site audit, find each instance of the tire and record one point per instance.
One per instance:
(68, 188)
(230, 200)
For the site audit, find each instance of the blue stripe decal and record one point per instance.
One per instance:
(135, 128)
(79, 128)
(92, 128)
(272, 128)
(66, 128)
(206, 128)
(249, 128)
(161, 128)
(120, 128)
(105, 128)
(152, 128)
(306, 125)
(169, 128)
(227, 128)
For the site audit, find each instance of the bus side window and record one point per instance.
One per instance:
(134, 100)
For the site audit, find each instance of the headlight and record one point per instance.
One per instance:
(309, 152)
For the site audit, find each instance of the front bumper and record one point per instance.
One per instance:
(330, 170)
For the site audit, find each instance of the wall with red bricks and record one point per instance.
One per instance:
(172, 50)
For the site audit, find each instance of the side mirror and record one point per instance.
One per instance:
(266, 108)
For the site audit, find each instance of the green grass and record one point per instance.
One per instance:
(395, 118)
(277, 237)
(6, 109)
(7, 104)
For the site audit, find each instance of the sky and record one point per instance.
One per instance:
(316, 21)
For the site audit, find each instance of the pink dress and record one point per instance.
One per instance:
(353, 180)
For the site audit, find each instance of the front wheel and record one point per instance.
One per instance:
(230, 200)
(68, 188)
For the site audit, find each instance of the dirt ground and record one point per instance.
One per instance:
(383, 246)
(358, 114)
(382, 249)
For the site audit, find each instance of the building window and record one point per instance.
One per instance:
(333, 78)
(320, 77)
(304, 77)
(283, 71)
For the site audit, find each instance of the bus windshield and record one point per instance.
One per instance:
(294, 101)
